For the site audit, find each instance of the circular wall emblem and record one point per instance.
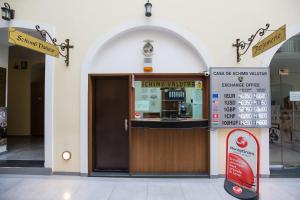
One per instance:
(148, 49)
(240, 78)
(241, 142)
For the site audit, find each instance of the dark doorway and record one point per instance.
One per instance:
(25, 109)
(110, 134)
(37, 108)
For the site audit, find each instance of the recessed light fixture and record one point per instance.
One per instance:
(66, 155)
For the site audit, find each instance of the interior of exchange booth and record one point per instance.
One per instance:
(148, 124)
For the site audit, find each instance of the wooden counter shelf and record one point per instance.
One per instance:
(169, 146)
(169, 123)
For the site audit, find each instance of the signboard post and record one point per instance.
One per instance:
(240, 97)
(242, 165)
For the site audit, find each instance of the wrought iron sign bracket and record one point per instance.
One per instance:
(242, 46)
(64, 47)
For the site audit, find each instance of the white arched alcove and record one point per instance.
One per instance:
(175, 51)
(49, 86)
(123, 54)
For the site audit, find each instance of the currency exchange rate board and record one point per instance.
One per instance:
(240, 97)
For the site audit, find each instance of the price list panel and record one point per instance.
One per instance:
(240, 97)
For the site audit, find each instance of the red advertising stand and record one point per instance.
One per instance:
(242, 165)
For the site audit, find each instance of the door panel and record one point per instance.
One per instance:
(285, 132)
(290, 116)
(111, 109)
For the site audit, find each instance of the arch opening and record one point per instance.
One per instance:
(284, 137)
(120, 52)
(47, 74)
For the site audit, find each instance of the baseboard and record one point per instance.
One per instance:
(217, 176)
(84, 174)
(66, 173)
(223, 176)
(26, 170)
(264, 176)
(110, 174)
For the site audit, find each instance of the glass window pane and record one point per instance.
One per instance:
(169, 99)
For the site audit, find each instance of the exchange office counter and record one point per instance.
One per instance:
(169, 146)
(169, 123)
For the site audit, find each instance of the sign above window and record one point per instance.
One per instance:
(168, 84)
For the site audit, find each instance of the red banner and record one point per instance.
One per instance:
(242, 164)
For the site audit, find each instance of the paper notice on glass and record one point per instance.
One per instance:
(142, 106)
(197, 96)
(294, 95)
(197, 111)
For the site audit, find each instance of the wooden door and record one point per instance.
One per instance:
(110, 135)
(37, 108)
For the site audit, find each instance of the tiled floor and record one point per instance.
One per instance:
(15, 187)
(24, 148)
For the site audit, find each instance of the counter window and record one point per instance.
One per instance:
(168, 99)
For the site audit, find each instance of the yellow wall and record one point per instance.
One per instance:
(215, 23)
(19, 89)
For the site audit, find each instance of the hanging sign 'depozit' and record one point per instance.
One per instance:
(22, 39)
(272, 40)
